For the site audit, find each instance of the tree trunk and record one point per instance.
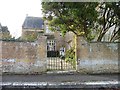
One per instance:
(100, 37)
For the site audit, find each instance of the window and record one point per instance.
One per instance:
(62, 51)
(51, 45)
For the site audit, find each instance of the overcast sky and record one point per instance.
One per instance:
(13, 13)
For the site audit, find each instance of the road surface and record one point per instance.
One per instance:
(61, 80)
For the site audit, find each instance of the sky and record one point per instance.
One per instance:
(13, 13)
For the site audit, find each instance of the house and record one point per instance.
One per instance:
(33, 27)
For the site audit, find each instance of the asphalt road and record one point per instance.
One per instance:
(56, 81)
(59, 78)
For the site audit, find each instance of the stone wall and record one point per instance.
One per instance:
(21, 57)
(98, 57)
(31, 57)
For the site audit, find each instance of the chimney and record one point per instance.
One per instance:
(26, 15)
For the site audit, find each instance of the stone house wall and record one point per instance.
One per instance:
(66, 41)
(28, 34)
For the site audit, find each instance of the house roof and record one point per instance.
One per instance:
(33, 23)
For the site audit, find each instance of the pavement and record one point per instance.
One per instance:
(61, 80)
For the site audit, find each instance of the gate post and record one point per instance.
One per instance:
(41, 61)
(78, 41)
(76, 50)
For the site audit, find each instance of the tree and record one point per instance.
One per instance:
(81, 18)
(71, 16)
(78, 18)
(109, 18)
(4, 33)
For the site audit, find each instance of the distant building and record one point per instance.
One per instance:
(31, 27)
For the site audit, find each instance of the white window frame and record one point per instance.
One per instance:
(51, 45)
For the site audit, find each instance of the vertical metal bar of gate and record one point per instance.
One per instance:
(50, 62)
(61, 64)
(56, 61)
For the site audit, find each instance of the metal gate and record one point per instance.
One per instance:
(55, 62)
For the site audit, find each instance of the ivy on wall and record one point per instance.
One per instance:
(70, 56)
